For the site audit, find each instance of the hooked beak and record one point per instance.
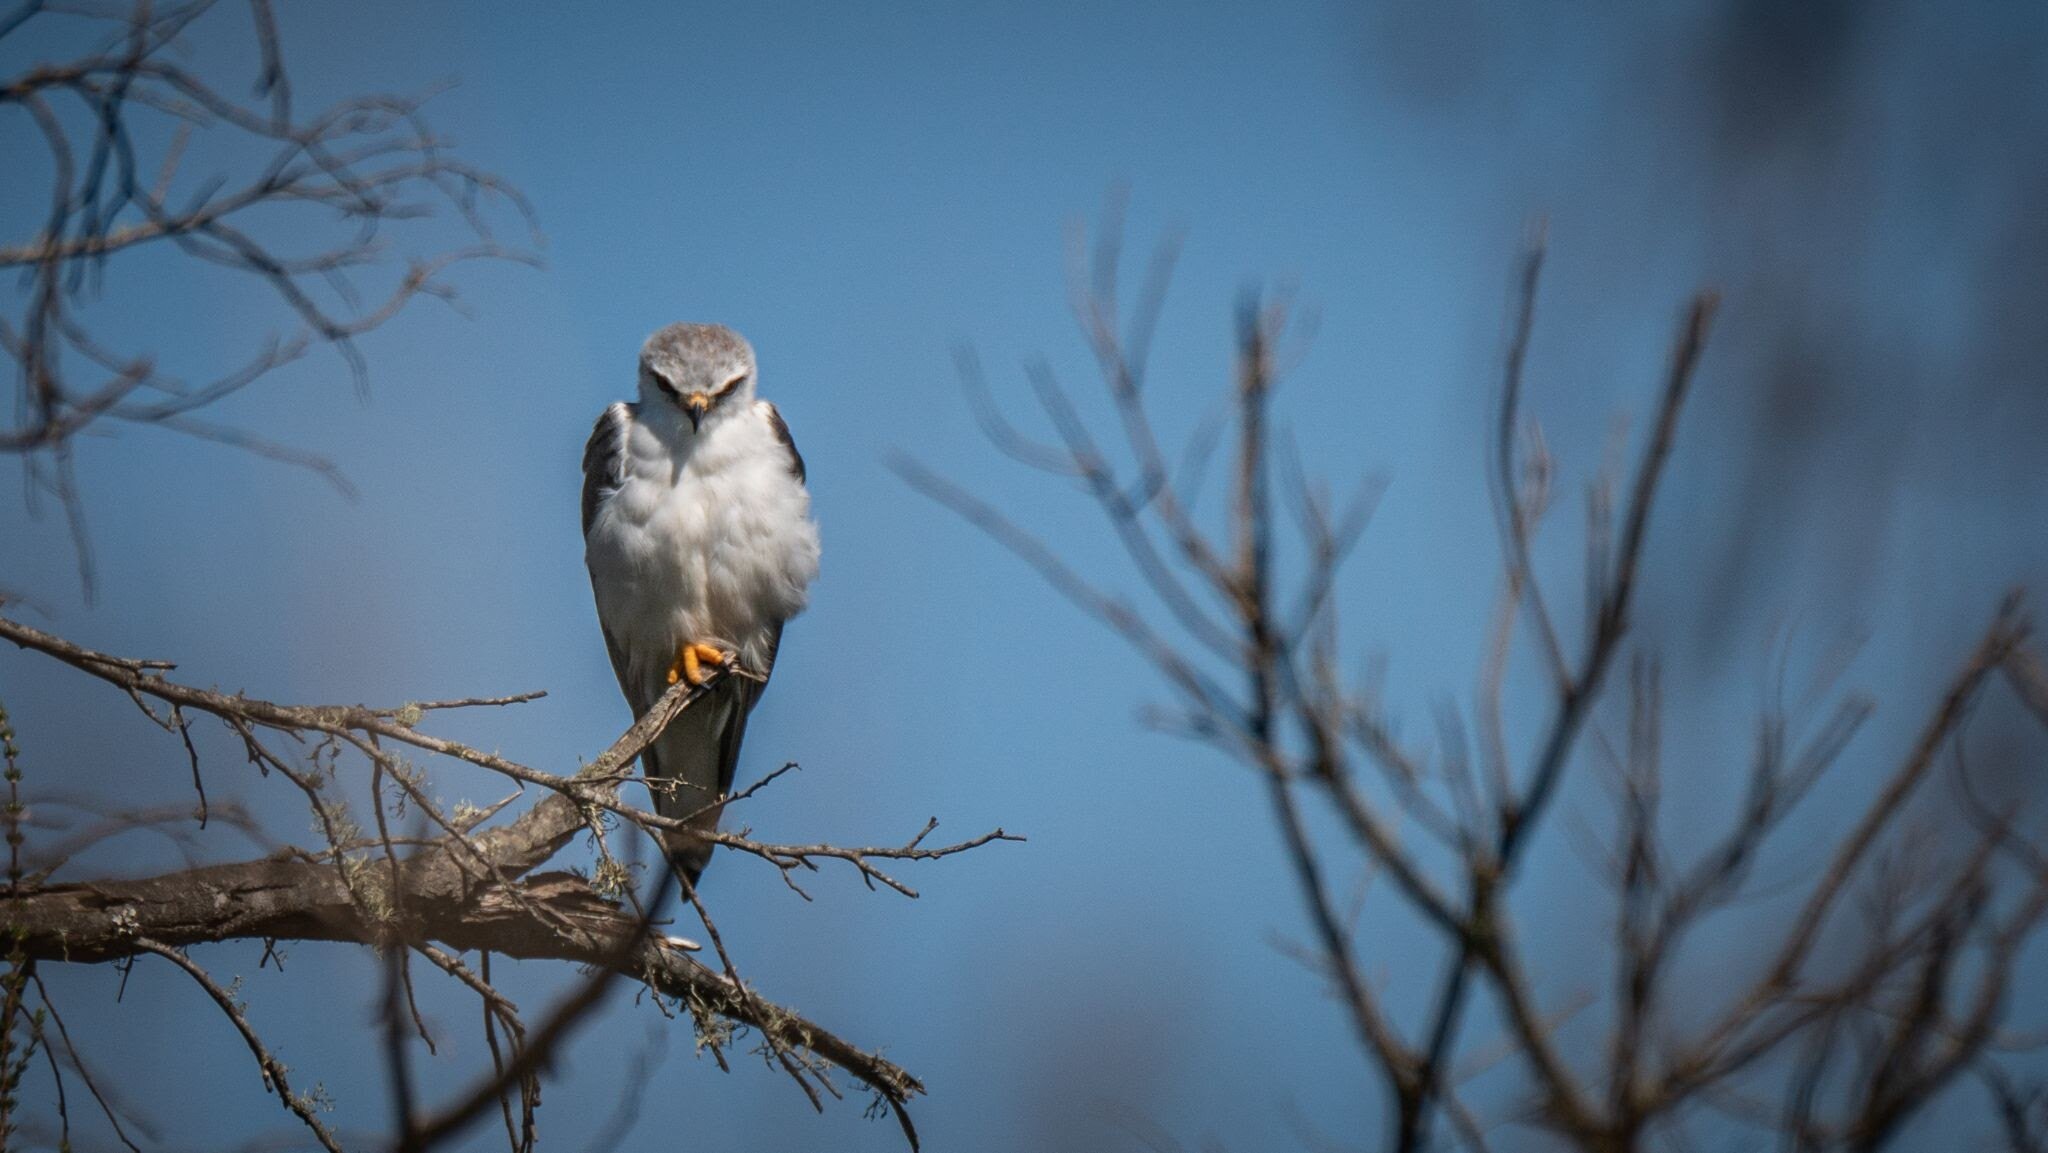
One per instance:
(695, 406)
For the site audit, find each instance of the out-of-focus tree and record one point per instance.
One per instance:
(313, 207)
(342, 214)
(1887, 987)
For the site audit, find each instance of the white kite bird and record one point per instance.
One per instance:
(700, 544)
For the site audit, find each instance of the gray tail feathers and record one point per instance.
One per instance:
(691, 766)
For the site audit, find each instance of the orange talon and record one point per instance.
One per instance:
(692, 659)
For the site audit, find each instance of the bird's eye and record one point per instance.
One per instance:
(726, 388)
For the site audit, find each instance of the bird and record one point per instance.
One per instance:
(698, 535)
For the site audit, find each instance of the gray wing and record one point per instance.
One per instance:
(754, 689)
(603, 473)
(781, 427)
(604, 459)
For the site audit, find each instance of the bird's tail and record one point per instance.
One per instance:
(692, 765)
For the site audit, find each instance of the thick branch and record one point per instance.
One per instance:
(99, 921)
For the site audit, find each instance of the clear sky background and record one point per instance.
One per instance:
(862, 188)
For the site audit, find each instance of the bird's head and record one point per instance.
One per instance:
(699, 370)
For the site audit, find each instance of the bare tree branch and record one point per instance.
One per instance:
(347, 177)
(1878, 1034)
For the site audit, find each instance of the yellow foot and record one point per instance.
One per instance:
(694, 662)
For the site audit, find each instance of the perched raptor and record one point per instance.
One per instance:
(698, 536)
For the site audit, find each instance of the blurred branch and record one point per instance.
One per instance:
(2029, 680)
(1895, 1019)
(304, 205)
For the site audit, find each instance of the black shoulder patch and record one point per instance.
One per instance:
(603, 459)
(781, 427)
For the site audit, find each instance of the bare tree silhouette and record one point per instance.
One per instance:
(1888, 987)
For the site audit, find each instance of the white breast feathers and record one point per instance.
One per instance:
(708, 539)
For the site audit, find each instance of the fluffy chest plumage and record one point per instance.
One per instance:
(706, 538)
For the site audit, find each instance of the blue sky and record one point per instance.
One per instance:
(862, 189)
